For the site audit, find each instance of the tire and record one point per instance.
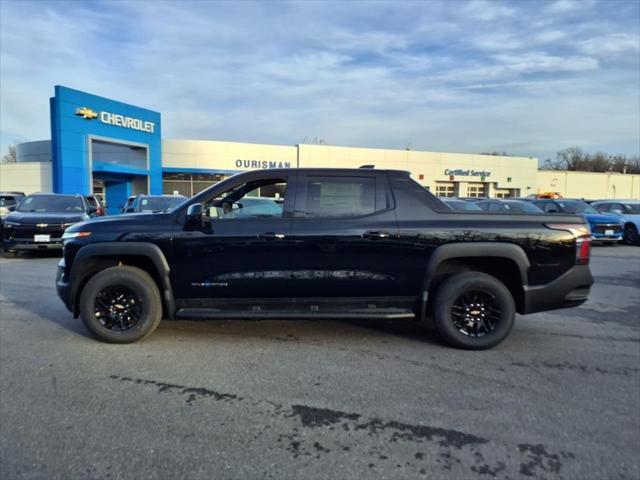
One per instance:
(484, 295)
(631, 234)
(9, 253)
(133, 300)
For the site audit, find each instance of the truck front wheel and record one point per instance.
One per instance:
(121, 305)
(473, 310)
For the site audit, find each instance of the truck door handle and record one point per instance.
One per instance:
(272, 236)
(375, 235)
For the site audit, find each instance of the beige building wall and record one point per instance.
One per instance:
(432, 168)
(28, 177)
(589, 185)
(225, 156)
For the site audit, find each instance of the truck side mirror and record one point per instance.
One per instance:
(194, 214)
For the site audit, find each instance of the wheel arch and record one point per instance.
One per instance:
(505, 261)
(95, 257)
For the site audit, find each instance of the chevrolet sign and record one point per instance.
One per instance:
(126, 122)
(117, 120)
(86, 113)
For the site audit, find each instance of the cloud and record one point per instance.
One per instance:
(542, 62)
(565, 6)
(611, 44)
(378, 74)
(486, 10)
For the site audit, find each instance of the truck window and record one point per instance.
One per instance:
(339, 196)
(258, 199)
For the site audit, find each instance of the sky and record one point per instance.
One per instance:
(525, 77)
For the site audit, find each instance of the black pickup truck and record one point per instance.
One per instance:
(323, 243)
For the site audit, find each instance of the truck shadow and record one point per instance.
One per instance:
(301, 331)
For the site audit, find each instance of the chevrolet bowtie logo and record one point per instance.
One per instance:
(86, 113)
(42, 225)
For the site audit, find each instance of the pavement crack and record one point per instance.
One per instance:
(447, 449)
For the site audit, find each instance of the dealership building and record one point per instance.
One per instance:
(103, 146)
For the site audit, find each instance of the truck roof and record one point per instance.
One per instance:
(320, 170)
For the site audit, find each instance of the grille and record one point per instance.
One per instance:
(601, 227)
(26, 232)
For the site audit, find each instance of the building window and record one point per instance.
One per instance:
(475, 190)
(507, 192)
(188, 184)
(119, 154)
(445, 189)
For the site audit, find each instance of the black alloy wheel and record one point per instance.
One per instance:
(476, 313)
(117, 308)
(121, 304)
(473, 310)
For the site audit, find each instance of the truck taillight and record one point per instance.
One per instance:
(583, 250)
(582, 235)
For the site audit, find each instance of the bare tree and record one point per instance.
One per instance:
(575, 159)
(11, 156)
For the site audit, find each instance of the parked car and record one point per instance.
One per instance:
(40, 219)
(460, 205)
(152, 203)
(95, 203)
(604, 227)
(626, 210)
(471, 199)
(354, 243)
(8, 203)
(509, 206)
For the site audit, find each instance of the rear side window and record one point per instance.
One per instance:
(340, 196)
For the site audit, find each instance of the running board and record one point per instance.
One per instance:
(373, 313)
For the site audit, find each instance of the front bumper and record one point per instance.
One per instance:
(601, 237)
(63, 287)
(54, 244)
(569, 290)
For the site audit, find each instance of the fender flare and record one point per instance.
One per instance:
(451, 251)
(113, 249)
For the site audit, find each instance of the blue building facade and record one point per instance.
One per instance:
(98, 141)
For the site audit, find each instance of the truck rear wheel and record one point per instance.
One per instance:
(473, 310)
(121, 305)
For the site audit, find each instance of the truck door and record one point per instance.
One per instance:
(242, 248)
(343, 233)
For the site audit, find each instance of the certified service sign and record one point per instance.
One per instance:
(117, 120)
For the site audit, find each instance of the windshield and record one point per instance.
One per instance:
(7, 201)
(632, 208)
(576, 207)
(51, 203)
(160, 204)
(522, 207)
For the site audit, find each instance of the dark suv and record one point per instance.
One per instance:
(40, 219)
(323, 243)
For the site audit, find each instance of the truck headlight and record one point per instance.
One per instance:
(11, 224)
(67, 235)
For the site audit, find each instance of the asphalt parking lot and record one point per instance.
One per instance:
(560, 398)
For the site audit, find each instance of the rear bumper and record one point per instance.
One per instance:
(569, 290)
